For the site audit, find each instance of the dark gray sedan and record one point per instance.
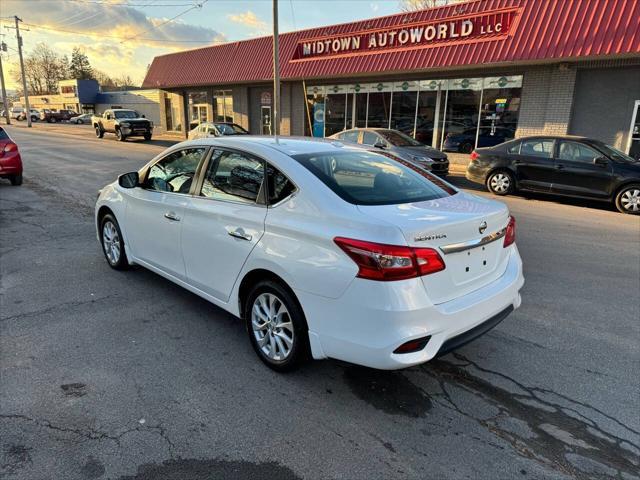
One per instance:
(399, 144)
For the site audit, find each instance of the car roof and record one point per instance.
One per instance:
(288, 145)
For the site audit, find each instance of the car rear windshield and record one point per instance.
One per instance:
(231, 129)
(3, 134)
(398, 139)
(368, 178)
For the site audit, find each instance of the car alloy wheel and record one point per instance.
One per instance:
(630, 200)
(111, 242)
(500, 183)
(272, 327)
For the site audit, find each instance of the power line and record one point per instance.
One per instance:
(126, 4)
(78, 32)
(197, 5)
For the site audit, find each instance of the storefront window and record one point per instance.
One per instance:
(471, 109)
(462, 108)
(500, 109)
(379, 106)
(314, 126)
(335, 111)
(223, 105)
(403, 107)
(197, 109)
(173, 110)
(362, 99)
(428, 96)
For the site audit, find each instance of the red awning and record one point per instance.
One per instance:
(478, 32)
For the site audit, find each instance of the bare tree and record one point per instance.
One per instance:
(44, 68)
(124, 82)
(413, 5)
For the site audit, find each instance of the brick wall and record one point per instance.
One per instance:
(547, 99)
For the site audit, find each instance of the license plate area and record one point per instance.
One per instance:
(474, 263)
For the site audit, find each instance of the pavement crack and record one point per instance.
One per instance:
(44, 311)
(552, 436)
(94, 434)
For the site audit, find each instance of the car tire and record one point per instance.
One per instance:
(53, 120)
(147, 137)
(466, 148)
(113, 243)
(79, 122)
(501, 182)
(99, 132)
(628, 199)
(282, 346)
(16, 180)
(120, 136)
(34, 119)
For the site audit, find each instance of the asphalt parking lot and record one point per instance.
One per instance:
(106, 374)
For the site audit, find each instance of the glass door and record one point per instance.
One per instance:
(335, 110)
(430, 97)
(634, 135)
(265, 119)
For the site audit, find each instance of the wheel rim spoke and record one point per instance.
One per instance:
(272, 327)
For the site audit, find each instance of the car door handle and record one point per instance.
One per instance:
(172, 216)
(239, 233)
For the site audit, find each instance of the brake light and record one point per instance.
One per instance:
(474, 155)
(10, 147)
(382, 262)
(510, 236)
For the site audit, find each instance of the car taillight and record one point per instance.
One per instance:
(382, 262)
(10, 147)
(510, 236)
(474, 155)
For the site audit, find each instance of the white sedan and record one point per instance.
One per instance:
(324, 250)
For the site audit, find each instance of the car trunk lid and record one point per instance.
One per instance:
(455, 226)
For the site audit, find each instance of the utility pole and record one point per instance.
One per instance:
(276, 72)
(5, 104)
(24, 77)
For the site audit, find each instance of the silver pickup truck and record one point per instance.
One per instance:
(124, 123)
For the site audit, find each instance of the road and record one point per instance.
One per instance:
(105, 374)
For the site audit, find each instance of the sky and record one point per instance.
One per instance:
(122, 36)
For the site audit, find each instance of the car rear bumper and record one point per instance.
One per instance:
(372, 319)
(475, 173)
(10, 164)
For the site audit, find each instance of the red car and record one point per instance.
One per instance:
(10, 161)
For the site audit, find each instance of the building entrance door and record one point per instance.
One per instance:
(634, 135)
(265, 115)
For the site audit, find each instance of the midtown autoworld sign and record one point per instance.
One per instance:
(452, 30)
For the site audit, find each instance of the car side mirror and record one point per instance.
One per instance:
(601, 161)
(379, 144)
(129, 180)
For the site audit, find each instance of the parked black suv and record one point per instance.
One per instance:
(573, 166)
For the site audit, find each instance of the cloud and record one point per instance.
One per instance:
(374, 6)
(103, 22)
(249, 19)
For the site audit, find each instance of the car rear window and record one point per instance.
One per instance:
(368, 178)
(3, 134)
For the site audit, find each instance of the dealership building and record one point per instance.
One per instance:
(481, 69)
